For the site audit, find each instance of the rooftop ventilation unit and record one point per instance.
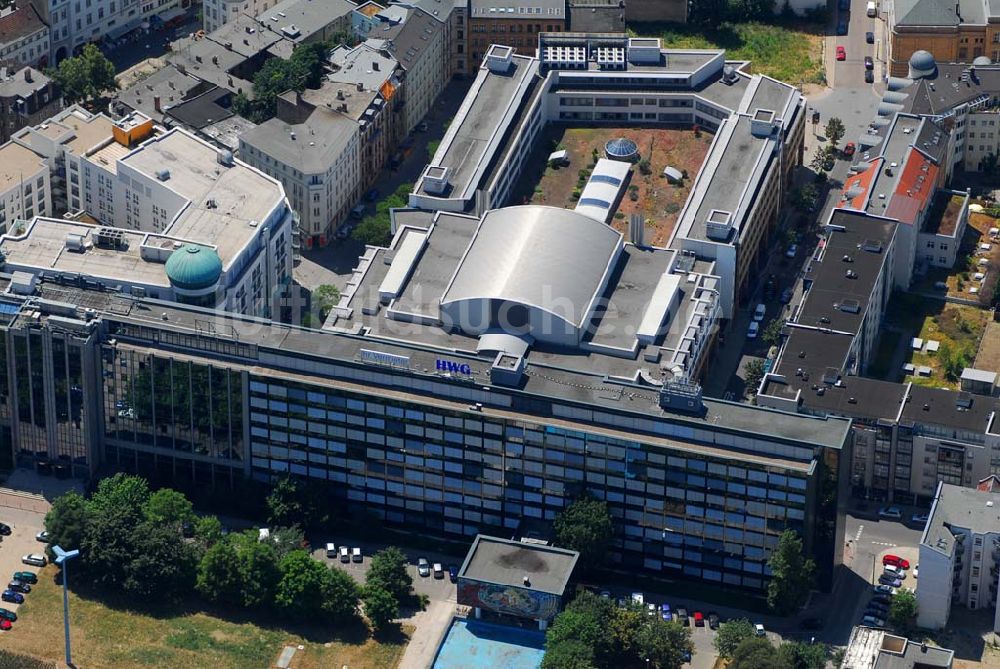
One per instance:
(291, 31)
(850, 306)
(644, 51)
(163, 174)
(963, 400)
(762, 123)
(436, 180)
(499, 58)
(730, 75)
(719, 224)
(872, 246)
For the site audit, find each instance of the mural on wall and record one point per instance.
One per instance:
(508, 600)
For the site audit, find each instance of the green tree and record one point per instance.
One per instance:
(208, 530)
(799, 655)
(293, 502)
(759, 653)
(381, 607)
(772, 333)
(835, 130)
(903, 610)
(388, 571)
(308, 589)
(585, 526)
(169, 507)
(325, 298)
(792, 575)
(85, 77)
(219, 579)
(731, 634)
(162, 565)
(257, 565)
(753, 372)
(122, 493)
(625, 624)
(569, 654)
(952, 360)
(286, 539)
(67, 521)
(663, 643)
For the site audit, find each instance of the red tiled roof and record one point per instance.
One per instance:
(915, 188)
(989, 484)
(20, 23)
(862, 181)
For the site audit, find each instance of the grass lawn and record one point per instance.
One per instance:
(956, 326)
(791, 54)
(186, 636)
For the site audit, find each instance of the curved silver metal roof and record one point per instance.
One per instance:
(547, 258)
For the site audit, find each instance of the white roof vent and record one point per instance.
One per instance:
(436, 180)
(762, 123)
(719, 224)
(499, 58)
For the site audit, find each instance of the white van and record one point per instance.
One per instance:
(871, 9)
(331, 550)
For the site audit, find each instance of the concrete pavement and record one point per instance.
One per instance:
(430, 626)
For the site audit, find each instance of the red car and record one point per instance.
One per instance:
(849, 149)
(699, 619)
(841, 53)
(5, 624)
(896, 561)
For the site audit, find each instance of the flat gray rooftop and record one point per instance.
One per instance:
(506, 562)
(962, 508)
(487, 111)
(634, 281)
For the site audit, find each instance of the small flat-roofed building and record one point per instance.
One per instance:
(979, 381)
(871, 648)
(503, 579)
(306, 21)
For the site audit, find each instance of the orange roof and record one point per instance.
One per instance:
(861, 182)
(915, 188)
(370, 9)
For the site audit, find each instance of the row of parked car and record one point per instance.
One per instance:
(894, 570)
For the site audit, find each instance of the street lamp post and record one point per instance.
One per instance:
(62, 559)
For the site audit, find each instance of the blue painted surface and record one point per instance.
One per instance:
(471, 644)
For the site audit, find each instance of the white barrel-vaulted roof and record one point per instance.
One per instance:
(552, 261)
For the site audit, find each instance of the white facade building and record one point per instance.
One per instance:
(218, 13)
(24, 185)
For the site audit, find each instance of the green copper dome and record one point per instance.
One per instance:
(194, 267)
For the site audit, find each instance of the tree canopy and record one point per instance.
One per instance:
(835, 130)
(277, 75)
(903, 610)
(377, 229)
(388, 571)
(86, 76)
(585, 526)
(731, 634)
(381, 607)
(792, 575)
(294, 502)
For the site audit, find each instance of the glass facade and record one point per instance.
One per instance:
(452, 473)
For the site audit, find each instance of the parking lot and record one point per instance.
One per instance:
(24, 524)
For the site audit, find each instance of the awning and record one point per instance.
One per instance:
(115, 33)
(171, 14)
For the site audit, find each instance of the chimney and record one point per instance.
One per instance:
(375, 65)
(27, 75)
(527, 582)
(156, 103)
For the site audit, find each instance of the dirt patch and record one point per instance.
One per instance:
(988, 357)
(650, 194)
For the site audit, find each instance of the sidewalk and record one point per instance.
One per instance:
(430, 626)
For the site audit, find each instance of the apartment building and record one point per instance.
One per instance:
(27, 97)
(960, 553)
(25, 189)
(956, 32)
(24, 37)
(513, 24)
(315, 153)
(307, 21)
(217, 13)
(420, 46)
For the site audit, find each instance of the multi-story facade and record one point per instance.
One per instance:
(420, 46)
(315, 152)
(25, 189)
(24, 37)
(956, 32)
(960, 553)
(307, 21)
(513, 24)
(217, 13)
(27, 97)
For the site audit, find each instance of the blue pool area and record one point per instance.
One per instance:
(471, 644)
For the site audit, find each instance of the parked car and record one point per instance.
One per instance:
(849, 149)
(19, 586)
(438, 570)
(42, 536)
(4, 529)
(884, 589)
(25, 576)
(34, 559)
(665, 612)
(792, 251)
(713, 620)
(877, 610)
(786, 295)
(682, 617)
(356, 554)
(869, 77)
(916, 571)
(758, 629)
(699, 619)
(869, 63)
(880, 599)
(753, 329)
(890, 512)
(453, 575)
(12, 596)
(423, 567)
(759, 312)
(841, 53)
(638, 598)
(872, 621)
(893, 570)
(345, 554)
(7, 614)
(842, 27)
(331, 549)
(919, 518)
(5, 624)
(886, 579)
(372, 195)
(870, 37)
(895, 561)
(422, 126)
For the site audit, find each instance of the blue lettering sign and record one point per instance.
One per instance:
(452, 367)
